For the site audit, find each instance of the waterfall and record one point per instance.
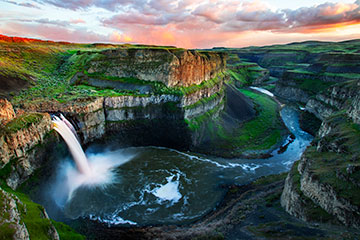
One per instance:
(66, 130)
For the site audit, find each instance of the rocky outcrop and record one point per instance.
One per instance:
(203, 106)
(6, 111)
(291, 199)
(340, 97)
(87, 113)
(11, 223)
(94, 117)
(262, 77)
(329, 199)
(21, 135)
(327, 173)
(291, 93)
(205, 92)
(173, 67)
(138, 101)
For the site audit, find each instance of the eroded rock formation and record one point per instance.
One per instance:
(326, 177)
(173, 67)
(6, 112)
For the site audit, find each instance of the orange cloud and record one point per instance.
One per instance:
(191, 23)
(338, 8)
(77, 21)
(120, 38)
(330, 28)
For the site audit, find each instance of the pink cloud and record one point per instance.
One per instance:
(188, 23)
(77, 21)
(49, 32)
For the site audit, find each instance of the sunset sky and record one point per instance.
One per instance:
(184, 23)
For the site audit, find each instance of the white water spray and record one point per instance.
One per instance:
(61, 126)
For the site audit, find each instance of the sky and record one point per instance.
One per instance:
(182, 23)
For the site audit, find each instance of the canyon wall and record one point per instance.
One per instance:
(340, 97)
(98, 116)
(327, 175)
(173, 67)
(160, 119)
(193, 87)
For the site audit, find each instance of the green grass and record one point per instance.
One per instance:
(32, 214)
(204, 101)
(66, 232)
(33, 217)
(325, 164)
(205, 84)
(263, 132)
(270, 179)
(313, 85)
(244, 76)
(6, 231)
(48, 66)
(237, 76)
(24, 121)
(197, 122)
(345, 75)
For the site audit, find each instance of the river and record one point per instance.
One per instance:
(155, 185)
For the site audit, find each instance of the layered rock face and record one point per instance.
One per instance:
(94, 117)
(173, 67)
(156, 117)
(88, 113)
(6, 112)
(304, 69)
(18, 145)
(341, 97)
(327, 175)
(22, 134)
(291, 92)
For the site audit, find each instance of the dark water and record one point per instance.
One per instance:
(158, 185)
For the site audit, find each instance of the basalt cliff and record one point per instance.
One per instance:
(324, 182)
(322, 79)
(108, 92)
(164, 89)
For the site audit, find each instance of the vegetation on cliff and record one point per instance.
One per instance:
(43, 70)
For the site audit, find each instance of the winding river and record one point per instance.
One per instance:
(154, 185)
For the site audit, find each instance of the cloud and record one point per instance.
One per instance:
(27, 4)
(326, 14)
(77, 21)
(50, 32)
(44, 22)
(186, 23)
(110, 5)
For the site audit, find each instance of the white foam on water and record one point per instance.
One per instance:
(246, 166)
(102, 175)
(112, 220)
(170, 190)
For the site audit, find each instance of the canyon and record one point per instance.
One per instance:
(187, 100)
